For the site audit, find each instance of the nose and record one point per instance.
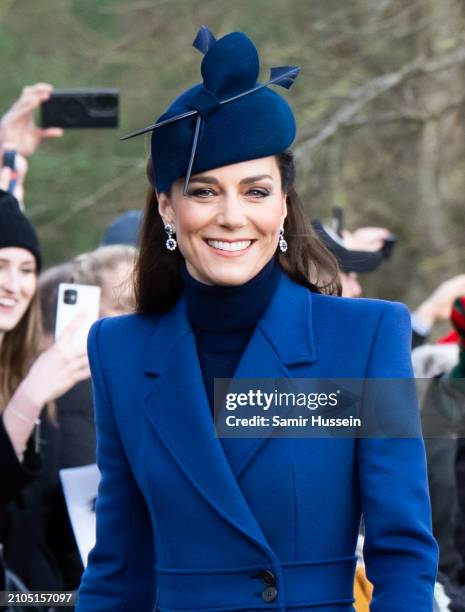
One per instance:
(10, 281)
(231, 214)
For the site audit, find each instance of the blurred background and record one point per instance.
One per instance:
(380, 105)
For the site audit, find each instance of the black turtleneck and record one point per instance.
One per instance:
(223, 319)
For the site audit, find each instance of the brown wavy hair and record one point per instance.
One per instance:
(158, 281)
(18, 350)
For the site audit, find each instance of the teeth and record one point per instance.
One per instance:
(229, 246)
(7, 302)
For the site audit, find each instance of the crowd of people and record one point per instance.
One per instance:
(46, 396)
(47, 419)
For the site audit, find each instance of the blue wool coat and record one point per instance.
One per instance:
(190, 522)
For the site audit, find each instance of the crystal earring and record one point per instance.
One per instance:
(282, 242)
(170, 243)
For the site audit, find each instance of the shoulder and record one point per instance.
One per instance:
(124, 324)
(357, 306)
(360, 311)
(345, 318)
(361, 325)
(121, 337)
(378, 332)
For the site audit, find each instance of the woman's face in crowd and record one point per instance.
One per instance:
(227, 226)
(18, 283)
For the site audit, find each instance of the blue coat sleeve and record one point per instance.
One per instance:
(120, 572)
(400, 552)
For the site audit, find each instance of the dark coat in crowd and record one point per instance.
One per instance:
(37, 537)
(16, 475)
(27, 511)
(443, 417)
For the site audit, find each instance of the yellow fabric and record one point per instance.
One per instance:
(362, 590)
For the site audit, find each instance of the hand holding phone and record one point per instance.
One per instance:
(18, 129)
(60, 367)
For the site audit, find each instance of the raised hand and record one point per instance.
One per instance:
(18, 130)
(59, 368)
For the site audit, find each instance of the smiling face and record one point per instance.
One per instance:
(18, 282)
(227, 226)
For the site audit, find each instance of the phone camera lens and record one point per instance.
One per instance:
(70, 296)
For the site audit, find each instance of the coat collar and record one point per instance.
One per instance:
(177, 404)
(286, 325)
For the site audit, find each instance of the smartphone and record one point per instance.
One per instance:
(81, 108)
(73, 299)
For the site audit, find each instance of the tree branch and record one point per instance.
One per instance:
(393, 116)
(373, 89)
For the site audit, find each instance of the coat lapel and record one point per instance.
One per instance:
(178, 409)
(179, 412)
(283, 338)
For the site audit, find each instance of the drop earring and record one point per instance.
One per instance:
(282, 242)
(170, 243)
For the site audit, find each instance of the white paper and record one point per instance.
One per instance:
(80, 485)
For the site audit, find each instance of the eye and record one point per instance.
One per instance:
(28, 270)
(256, 192)
(203, 192)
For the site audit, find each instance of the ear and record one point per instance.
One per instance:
(165, 209)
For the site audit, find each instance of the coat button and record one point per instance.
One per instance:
(269, 594)
(268, 577)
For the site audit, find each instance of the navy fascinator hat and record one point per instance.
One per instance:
(226, 119)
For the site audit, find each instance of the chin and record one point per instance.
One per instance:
(232, 275)
(7, 325)
(8, 321)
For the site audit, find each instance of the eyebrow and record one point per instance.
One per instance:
(21, 263)
(211, 180)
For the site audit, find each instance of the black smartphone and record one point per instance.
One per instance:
(81, 108)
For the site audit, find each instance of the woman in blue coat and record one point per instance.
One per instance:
(232, 282)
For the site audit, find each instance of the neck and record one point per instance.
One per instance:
(223, 319)
(228, 308)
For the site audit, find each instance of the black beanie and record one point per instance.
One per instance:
(15, 229)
